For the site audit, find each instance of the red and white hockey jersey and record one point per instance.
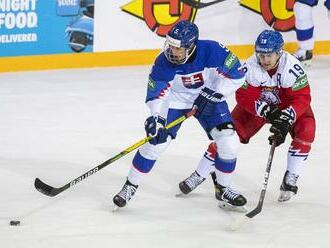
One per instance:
(286, 87)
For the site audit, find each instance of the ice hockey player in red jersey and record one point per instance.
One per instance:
(277, 92)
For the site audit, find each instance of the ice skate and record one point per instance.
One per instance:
(304, 56)
(230, 199)
(190, 183)
(288, 187)
(127, 192)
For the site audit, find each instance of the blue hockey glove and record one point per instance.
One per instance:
(280, 128)
(155, 127)
(206, 102)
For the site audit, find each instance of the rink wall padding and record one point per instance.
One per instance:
(81, 60)
(118, 58)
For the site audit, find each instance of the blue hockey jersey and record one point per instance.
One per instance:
(177, 86)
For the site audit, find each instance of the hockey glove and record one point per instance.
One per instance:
(155, 128)
(271, 112)
(206, 102)
(280, 128)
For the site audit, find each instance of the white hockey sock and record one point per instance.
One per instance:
(296, 164)
(135, 176)
(304, 16)
(304, 21)
(223, 179)
(306, 44)
(205, 167)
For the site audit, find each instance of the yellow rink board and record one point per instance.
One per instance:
(117, 58)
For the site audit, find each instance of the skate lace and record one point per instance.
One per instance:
(127, 192)
(291, 179)
(194, 180)
(231, 194)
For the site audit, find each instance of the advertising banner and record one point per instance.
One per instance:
(232, 22)
(132, 32)
(35, 27)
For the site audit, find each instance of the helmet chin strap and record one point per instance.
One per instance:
(278, 60)
(189, 52)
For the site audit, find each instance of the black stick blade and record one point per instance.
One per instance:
(254, 212)
(45, 188)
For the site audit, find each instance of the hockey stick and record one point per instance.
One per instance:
(199, 5)
(258, 208)
(244, 219)
(52, 191)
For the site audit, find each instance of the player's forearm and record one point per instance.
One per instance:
(228, 86)
(158, 107)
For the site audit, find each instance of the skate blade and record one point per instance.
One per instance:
(181, 194)
(228, 207)
(285, 196)
(115, 209)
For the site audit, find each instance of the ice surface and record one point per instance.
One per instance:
(56, 125)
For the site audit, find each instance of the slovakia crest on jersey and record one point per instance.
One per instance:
(194, 81)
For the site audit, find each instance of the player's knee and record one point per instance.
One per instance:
(227, 141)
(152, 152)
(302, 141)
(308, 135)
(222, 130)
(305, 133)
(300, 146)
(212, 149)
(228, 146)
(303, 15)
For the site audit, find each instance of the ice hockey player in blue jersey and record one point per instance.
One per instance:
(303, 11)
(189, 72)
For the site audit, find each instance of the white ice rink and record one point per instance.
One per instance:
(56, 125)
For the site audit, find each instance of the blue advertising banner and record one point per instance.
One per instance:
(35, 27)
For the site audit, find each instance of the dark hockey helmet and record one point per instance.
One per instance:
(181, 42)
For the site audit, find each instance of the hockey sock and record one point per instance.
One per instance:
(297, 156)
(139, 168)
(304, 26)
(223, 178)
(205, 167)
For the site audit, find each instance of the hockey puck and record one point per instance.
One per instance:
(14, 222)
